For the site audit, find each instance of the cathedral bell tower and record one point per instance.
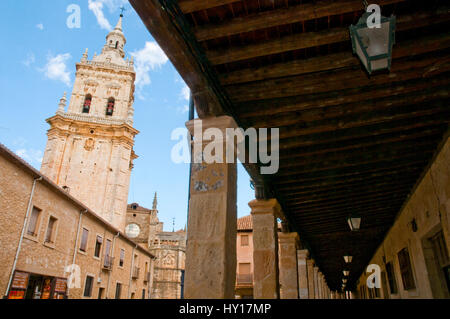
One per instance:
(89, 150)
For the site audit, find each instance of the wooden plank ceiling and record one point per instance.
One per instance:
(349, 143)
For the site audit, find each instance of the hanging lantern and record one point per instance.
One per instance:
(354, 221)
(348, 259)
(373, 45)
(346, 273)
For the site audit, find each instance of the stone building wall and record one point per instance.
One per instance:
(425, 215)
(169, 264)
(50, 259)
(168, 247)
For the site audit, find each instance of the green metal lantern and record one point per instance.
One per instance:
(373, 46)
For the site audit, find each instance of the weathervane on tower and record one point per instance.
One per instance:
(122, 9)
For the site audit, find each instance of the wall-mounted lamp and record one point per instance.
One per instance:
(348, 259)
(373, 43)
(354, 221)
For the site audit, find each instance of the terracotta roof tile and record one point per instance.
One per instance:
(245, 223)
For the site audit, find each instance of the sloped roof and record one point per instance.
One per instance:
(245, 223)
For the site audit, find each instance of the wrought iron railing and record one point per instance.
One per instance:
(136, 272)
(108, 262)
(244, 278)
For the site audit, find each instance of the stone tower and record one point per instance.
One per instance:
(89, 150)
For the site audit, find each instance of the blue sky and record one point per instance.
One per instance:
(38, 59)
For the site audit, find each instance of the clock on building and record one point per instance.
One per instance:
(132, 230)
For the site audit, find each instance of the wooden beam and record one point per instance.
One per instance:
(402, 126)
(376, 172)
(367, 153)
(360, 194)
(402, 70)
(188, 6)
(283, 16)
(377, 182)
(435, 107)
(350, 193)
(313, 39)
(347, 110)
(345, 193)
(352, 95)
(348, 205)
(385, 141)
(330, 62)
(356, 162)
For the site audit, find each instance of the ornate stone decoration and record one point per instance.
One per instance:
(89, 144)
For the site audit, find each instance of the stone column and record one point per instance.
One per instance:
(320, 284)
(211, 242)
(288, 265)
(302, 255)
(265, 248)
(316, 283)
(311, 287)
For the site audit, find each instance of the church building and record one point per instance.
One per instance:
(63, 228)
(90, 146)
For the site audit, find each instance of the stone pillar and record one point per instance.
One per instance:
(320, 278)
(316, 283)
(211, 237)
(311, 287)
(265, 248)
(302, 270)
(288, 265)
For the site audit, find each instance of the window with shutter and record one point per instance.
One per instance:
(406, 269)
(32, 224)
(84, 240)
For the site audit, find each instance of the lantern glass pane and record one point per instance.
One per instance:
(354, 222)
(375, 40)
(380, 64)
(360, 54)
(348, 259)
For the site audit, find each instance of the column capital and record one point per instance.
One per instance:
(221, 122)
(302, 253)
(288, 237)
(265, 206)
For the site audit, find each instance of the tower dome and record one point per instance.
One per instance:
(113, 50)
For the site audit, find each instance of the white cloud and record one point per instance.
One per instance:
(29, 60)
(40, 26)
(30, 155)
(56, 68)
(147, 59)
(183, 109)
(185, 92)
(96, 6)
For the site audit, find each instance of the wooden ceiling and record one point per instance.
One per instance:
(349, 143)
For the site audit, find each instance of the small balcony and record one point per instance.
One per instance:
(108, 262)
(147, 277)
(244, 279)
(135, 272)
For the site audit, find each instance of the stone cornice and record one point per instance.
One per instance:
(110, 66)
(72, 117)
(60, 126)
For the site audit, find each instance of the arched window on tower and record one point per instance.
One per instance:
(117, 44)
(87, 103)
(110, 106)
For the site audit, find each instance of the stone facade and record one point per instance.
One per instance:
(89, 150)
(47, 253)
(168, 247)
(421, 230)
